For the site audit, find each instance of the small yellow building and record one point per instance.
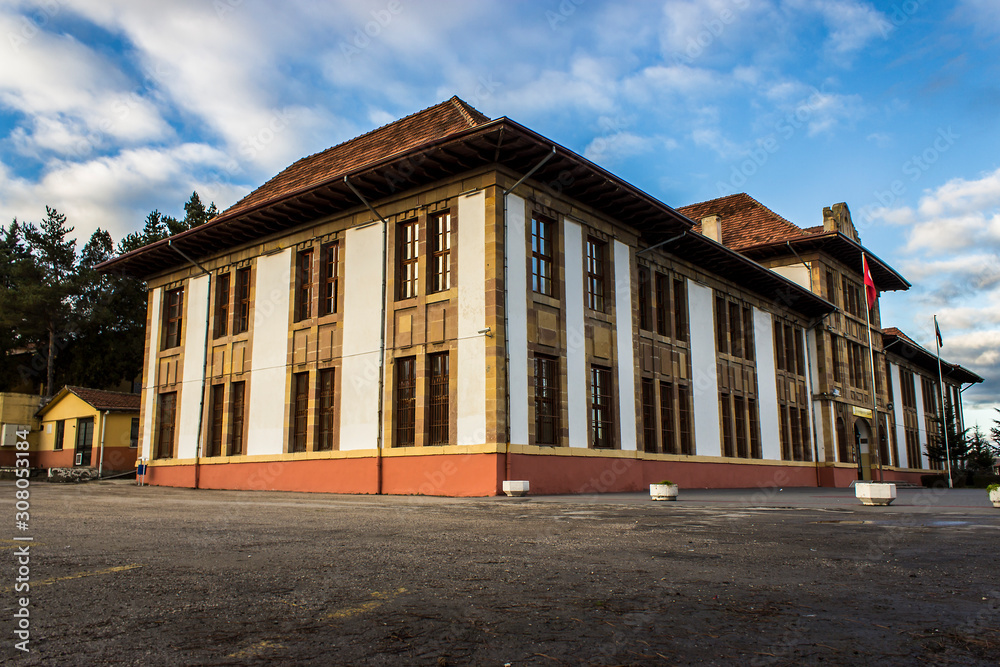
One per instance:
(89, 427)
(17, 414)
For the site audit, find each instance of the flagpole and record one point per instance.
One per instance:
(874, 446)
(944, 420)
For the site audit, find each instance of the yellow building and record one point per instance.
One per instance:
(88, 427)
(17, 413)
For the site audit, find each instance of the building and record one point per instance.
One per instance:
(451, 301)
(83, 427)
(827, 260)
(17, 414)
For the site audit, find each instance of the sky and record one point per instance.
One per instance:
(112, 108)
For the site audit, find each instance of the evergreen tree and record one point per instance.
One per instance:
(981, 452)
(958, 442)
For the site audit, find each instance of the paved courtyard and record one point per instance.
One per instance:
(156, 576)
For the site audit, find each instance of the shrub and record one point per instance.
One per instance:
(985, 481)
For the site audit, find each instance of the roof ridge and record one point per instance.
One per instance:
(467, 111)
(71, 387)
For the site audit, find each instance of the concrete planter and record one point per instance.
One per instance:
(875, 493)
(995, 497)
(663, 491)
(516, 487)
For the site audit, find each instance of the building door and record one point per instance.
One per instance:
(84, 441)
(862, 438)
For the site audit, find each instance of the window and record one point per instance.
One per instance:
(173, 312)
(648, 415)
(542, 255)
(754, 423)
(748, 333)
(304, 286)
(662, 304)
(728, 446)
(406, 401)
(668, 432)
(857, 365)
(845, 450)
(930, 391)
(686, 418)
(595, 274)
(601, 411)
(324, 415)
(680, 310)
(721, 326)
(907, 389)
(241, 320)
(831, 290)
(222, 305)
(166, 419)
(300, 411)
(735, 330)
(407, 259)
(217, 405)
(133, 436)
(237, 401)
(789, 352)
(838, 371)
(329, 278)
(439, 391)
(441, 252)
(645, 300)
(546, 400)
(60, 435)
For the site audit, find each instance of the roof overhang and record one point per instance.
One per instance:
(910, 351)
(498, 142)
(712, 256)
(841, 248)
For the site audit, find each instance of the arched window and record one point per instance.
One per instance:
(844, 450)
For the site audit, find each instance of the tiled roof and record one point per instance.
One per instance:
(107, 400)
(399, 136)
(745, 221)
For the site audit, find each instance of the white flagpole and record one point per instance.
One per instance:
(872, 446)
(944, 421)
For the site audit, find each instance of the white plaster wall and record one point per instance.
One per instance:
(195, 302)
(517, 319)
(626, 357)
(767, 385)
(921, 420)
(359, 427)
(576, 351)
(269, 355)
(153, 341)
(796, 273)
(704, 373)
(471, 407)
(897, 412)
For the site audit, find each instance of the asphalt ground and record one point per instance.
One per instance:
(156, 576)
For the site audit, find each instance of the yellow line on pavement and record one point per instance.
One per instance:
(78, 575)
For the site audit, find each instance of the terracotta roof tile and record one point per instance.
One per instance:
(107, 400)
(745, 221)
(399, 136)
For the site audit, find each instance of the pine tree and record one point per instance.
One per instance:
(981, 452)
(958, 442)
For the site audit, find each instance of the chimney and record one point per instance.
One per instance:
(829, 222)
(711, 226)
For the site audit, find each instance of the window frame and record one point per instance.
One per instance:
(166, 425)
(546, 399)
(326, 403)
(298, 438)
(241, 306)
(405, 401)
(440, 264)
(173, 318)
(304, 284)
(407, 259)
(329, 278)
(222, 296)
(216, 411)
(60, 436)
(596, 274)
(602, 415)
(438, 398)
(237, 417)
(543, 255)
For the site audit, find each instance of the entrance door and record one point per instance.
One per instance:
(84, 441)
(862, 440)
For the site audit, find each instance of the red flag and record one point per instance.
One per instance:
(870, 290)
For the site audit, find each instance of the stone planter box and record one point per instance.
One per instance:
(663, 491)
(516, 487)
(995, 498)
(875, 493)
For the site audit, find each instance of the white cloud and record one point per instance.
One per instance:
(851, 25)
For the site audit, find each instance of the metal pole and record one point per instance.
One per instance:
(871, 356)
(944, 422)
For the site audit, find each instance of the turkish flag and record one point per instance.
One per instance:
(870, 290)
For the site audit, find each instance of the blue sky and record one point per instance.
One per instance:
(111, 108)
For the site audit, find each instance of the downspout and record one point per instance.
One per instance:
(809, 369)
(204, 366)
(506, 309)
(381, 338)
(104, 425)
